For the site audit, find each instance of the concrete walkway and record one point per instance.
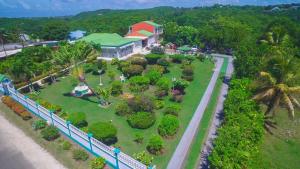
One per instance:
(183, 147)
(19, 151)
(218, 116)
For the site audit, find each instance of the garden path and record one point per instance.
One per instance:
(17, 150)
(182, 149)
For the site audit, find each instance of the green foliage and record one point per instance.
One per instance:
(141, 103)
(111, 74)
(141, 120)
(115, 61)
(177, 58)
(153, 58)
(116, 88)
(241, 135)
(66, 145)
(80, 155)
(158, 68)
(155, 145)
(138, 60)
(180, 85)
(132, 70)
(55, 30)
(39, 124)
(103, 131)
(122, 109)
(157, 50)
(164, 83)
(78, 119)
(50, 133)
(154, 76)
(168, 125)
(163, 62)
(188, 72)
(173, 109)
(159, 104)
(139, 83)
(97, 163)
(139, 138)
(143, 157)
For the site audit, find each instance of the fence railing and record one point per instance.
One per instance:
(112, 155)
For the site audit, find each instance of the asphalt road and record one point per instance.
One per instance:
(182, 149)
(11, 157)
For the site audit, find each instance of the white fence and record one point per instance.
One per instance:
(112, 155)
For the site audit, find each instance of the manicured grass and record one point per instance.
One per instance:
(282, 149)
(57, 94)
(53, 147)
(194, 154)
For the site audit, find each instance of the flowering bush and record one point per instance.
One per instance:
(80, 155)
(143, 157)
(50, 133)
(155, 145)
(97, 163)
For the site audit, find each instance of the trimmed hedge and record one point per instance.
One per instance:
(104, 131)
(141, 120)
(241, 134)
(168, 125)
(153, 58)
(139, 83)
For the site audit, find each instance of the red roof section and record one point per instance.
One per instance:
(135, 34)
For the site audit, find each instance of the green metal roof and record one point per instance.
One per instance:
(153, 24)
(146, 33)
(107, 39)
(184, 48)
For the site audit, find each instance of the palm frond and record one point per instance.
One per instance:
(287, 101)
(267, 93)
(265, 76)
(294, 90)
(295, 101)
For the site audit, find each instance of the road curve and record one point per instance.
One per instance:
(182, 149)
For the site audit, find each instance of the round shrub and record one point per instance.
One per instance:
(80, 155)
(141, 103)
(159, 104)
(116, 88)
(78, 119)
(133, 70)
(163, 83)
(97, 163)
(141, 120)
(139, 138)
(122, 109)
(104, 131)
(139, 83)
(177, 58)
(66, 145)
(158, 68)
(155, 145)
(152, 58)
(173, 109)
(153, 75)
(143, 157)
(138, 60)
(180, 85)
(188, 70)
(163, 62)
(50, 133)
(168, 125)
(39, 124)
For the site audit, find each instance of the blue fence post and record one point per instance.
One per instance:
(117, 152)
(16, 93)
(25, 98)
(68, 125)
(51, 115)
(150, 167)
(90, 135)
(37, 108)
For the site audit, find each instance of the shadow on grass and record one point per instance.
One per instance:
(86, 98)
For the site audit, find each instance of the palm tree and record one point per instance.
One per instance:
(273, 92)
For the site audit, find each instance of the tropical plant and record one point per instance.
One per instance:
(143, 157)
(104, 93)
(97, 163)
(80, 155)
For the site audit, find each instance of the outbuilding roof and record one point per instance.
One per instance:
(152, 23)
(107, 39)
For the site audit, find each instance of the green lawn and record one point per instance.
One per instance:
(193, 156)
(282, 149)
(57, 94)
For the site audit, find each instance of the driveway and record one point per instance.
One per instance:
(18, 151)
(183, 147)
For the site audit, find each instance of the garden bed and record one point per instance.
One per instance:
(58, 94)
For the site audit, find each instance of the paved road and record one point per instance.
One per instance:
(218, 116)
(18, 151)
(182, 149)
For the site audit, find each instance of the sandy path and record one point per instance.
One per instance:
(17, 144)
